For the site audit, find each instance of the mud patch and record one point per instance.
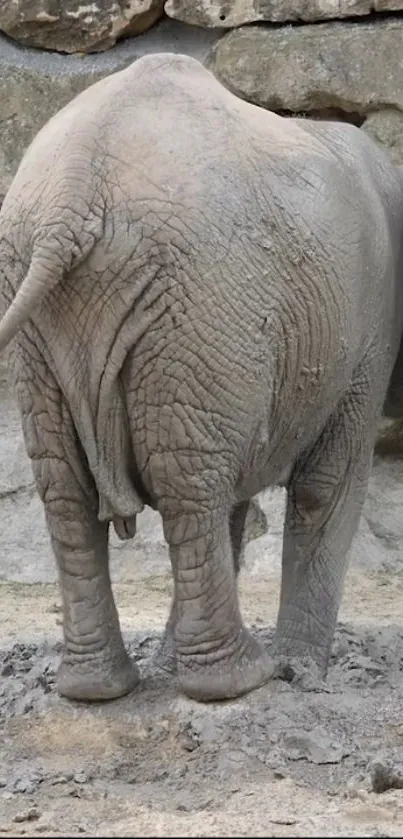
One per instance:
(163, 760)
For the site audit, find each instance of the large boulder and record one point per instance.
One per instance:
(221, 13)
(76, 26)
(347, 69)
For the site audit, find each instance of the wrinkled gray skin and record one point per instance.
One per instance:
(206, 300)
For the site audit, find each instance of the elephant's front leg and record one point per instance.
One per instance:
(325, 498)
(217, 658)
(166, 656)
(95, 664)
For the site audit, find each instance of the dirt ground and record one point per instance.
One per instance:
(296, 758)
(290, 759)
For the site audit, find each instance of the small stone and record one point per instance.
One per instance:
(62, 779)
(55, 608)
(28, 783)
(188, 741)
(354, 791)
(283, 820)
(80, 778)
(315, 747)
(23, 785)
(30, 815)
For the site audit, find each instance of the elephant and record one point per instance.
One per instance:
(202, 299)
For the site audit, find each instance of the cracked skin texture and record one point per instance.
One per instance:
(205, 299)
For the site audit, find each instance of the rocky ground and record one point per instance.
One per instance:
(294, 758)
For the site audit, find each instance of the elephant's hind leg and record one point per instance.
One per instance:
(325, 497)
(166, 656)
(95, 664)
(217, 657)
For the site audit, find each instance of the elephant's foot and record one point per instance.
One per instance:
(165, 657)
(97, 677)
(225, 674)
(295, 654)
(302, 673)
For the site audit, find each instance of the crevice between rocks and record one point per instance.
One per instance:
(338, 113)
(372, 17)
(335, 113)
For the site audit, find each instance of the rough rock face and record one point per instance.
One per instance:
(344, 68)
(222, 13)
(76, 26)
(386, 128)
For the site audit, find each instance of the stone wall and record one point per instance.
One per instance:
(328, 58)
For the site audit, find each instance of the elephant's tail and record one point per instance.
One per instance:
(42, 277)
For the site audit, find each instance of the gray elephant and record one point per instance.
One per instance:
(206, 299)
